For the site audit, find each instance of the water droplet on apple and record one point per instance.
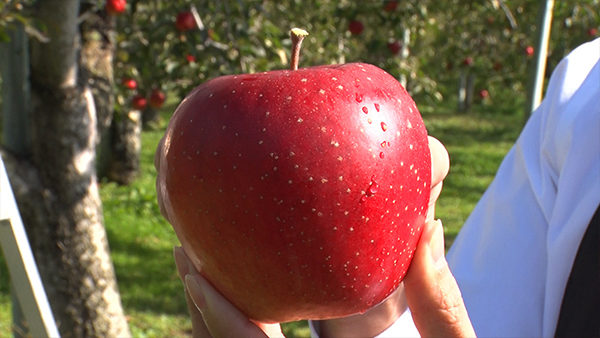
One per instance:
(373, 189)
(381, 155)
(363, 199)
(359, 97)
(365, 110)
(383, 126)
(377, 106)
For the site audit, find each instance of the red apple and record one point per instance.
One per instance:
(185, 21)
(390, 6)
(284, 195)
(394, 47)
(129, 83)
(190, 58)
(115, 7)
(139, 102)
(592, 31)
(529, 50)
(157, 98)
(468, 61)
(355, 27)
(484, 94)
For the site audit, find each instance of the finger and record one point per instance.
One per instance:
(440, 161)
(440, 165)
(158, 152)
(432, 293)
(221, 317)
(185, 267)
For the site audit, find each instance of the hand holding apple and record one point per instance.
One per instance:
(309, 187)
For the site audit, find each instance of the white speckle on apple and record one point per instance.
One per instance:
(215, 153)
(324, 180)
(410, 146)
(334, 79)
(303, 80)
(260, 142)
(335, 143)
(300, 120)
(322, 91)
(267, 113)
(274, 168)
(340, 158)
(340, 87)
(224, 106)
(341, 178)
(408, 124)
(310, 178)
(290, 181)
(233, 91)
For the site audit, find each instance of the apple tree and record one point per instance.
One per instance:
(50, 157)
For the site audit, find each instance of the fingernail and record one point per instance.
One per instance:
(436, 245)
(195, 291)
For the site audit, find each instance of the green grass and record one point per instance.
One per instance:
(141, 241)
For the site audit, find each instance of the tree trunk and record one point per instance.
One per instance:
(56, 187)
(97, 54)
(126, 147)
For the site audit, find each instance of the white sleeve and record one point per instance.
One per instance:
(513, 256)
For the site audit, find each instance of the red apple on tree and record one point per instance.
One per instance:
(484, 93)
(529, 50)
(592, 31)
(129, 83)
(115, 7)
(390, 6)
(394, 47)
(298, 193)
(139, 102)
(157, 98)
(355, 27)
(185, 21)
(468, 61)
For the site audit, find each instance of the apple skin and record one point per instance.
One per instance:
(298, 194)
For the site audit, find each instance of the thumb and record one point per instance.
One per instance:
(432, 293)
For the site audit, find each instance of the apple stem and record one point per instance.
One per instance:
(297, 35)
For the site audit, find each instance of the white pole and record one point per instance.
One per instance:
(541, 53)
(24, 276)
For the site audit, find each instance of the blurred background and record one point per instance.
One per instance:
(467, 64)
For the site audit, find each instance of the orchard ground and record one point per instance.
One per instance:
(141, 240)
